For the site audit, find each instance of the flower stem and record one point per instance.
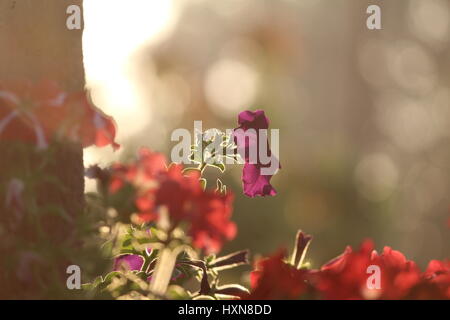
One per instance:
(163, 271)
(202, 167)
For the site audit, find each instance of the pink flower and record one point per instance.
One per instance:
(253, 146)
(132, 262)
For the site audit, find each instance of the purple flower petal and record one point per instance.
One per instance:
(256, 175)
(132, 262)
(253, 119)
(256, 184)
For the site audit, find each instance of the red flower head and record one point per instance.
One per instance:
(436, 281)
(249, 139)
(347, 276)
(206, 212)
(177, 192)
(398, 275)
(93, 127)
(210, 222)
(42, 112)
(274, 279)
(438, 272)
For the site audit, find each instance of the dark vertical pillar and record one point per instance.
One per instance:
(36, 44)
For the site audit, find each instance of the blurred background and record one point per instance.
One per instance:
(364, 115)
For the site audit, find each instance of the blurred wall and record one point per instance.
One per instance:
(35, 42)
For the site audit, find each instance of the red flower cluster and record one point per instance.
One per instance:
(436, 280)
(40, 112)
(158, 187)
(274, 279)
(348, 276)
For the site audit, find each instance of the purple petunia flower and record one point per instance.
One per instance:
(251, 138)
(132, 262)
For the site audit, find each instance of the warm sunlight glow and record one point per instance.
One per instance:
(114, 31)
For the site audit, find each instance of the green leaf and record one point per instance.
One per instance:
(233, 290)
(175, 292)
(229, 261)
(218, 165)
(203, 297)
(110, 276)
(302, 242)
(187, 171)
(92, 285)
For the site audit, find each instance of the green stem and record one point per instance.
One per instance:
(146, 263)
(202, 167)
